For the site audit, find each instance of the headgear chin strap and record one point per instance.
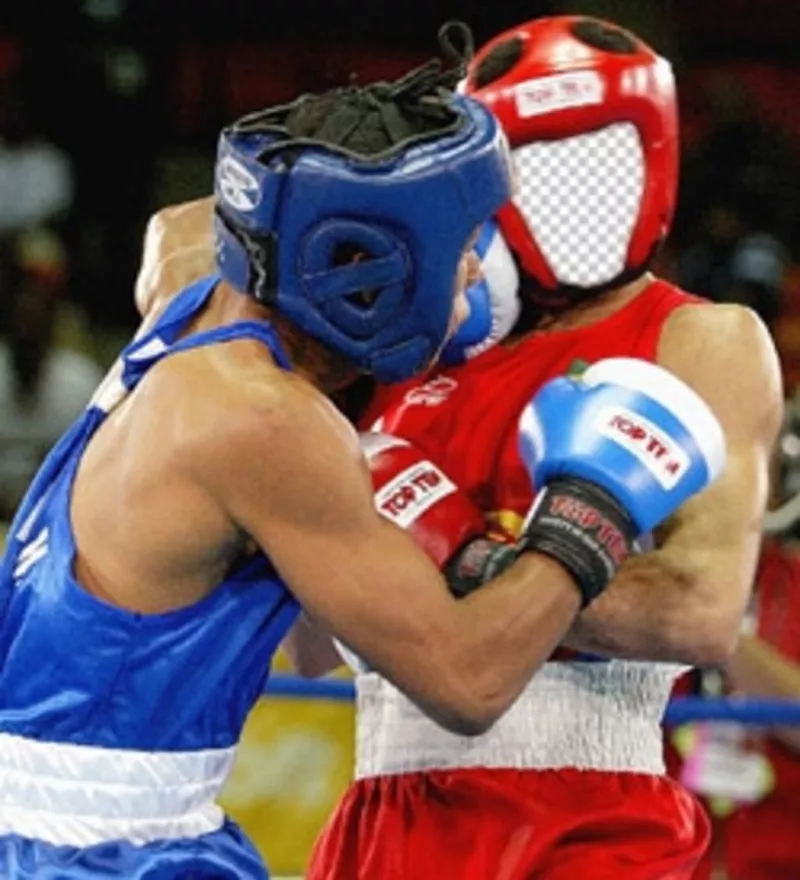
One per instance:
(359, 252)
(591, 116)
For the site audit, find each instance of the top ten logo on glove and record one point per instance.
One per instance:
(656, 450)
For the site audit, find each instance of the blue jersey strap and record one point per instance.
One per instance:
(258, 330)
(165, 337)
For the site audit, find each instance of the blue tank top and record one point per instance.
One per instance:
(76, 670)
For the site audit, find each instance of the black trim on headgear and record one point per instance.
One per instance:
(498, 62)
(591, 31)
(608, 38)
(262, 251)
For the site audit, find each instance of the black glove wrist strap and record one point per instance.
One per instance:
(584, 528)
(480, 560)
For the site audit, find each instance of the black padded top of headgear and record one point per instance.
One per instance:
(498, 62)
(367, 123)
(605, 37)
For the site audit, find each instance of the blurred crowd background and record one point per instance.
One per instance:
(110, 109)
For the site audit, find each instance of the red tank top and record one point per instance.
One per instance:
(465, 418)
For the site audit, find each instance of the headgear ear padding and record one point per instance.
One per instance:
(361, 251)
(591, 117)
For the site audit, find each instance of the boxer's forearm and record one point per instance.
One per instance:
(508, 630)
(657, 609)
(758, 670)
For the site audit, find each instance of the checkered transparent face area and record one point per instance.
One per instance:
(580, 197)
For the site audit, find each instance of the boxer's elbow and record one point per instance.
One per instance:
(721, 637)
(475, 701)
(708, 637)
(713, 649)
(463, 690)
(694, 609)
(461, 704)
(465, 717)
(481, 716)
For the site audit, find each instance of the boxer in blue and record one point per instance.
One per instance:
(210, 490)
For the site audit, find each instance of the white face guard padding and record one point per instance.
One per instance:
(581, 197)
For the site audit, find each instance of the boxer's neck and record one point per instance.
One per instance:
(323, 368)
(597, 310)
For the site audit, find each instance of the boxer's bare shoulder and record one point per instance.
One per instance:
(283, 441)
(726, 353)
(249, 409)
(150, 521)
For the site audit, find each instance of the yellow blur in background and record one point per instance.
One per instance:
(294, 763)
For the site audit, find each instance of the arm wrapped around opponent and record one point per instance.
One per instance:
(613, 453)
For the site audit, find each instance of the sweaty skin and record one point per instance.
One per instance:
(220, 451)
(683, 601)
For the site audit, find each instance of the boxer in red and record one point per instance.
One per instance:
(570, 782)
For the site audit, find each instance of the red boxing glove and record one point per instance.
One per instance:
(418, 497)
(413, 493)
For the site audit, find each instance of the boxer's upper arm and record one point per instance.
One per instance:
(295, 480)
(727, 356)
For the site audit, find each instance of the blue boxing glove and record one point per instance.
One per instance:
(494, 304)
(613, 452)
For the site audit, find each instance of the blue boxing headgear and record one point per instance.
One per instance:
(360, 252)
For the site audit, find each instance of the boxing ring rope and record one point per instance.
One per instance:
(680, 710)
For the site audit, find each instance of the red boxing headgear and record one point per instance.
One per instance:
(591, 117)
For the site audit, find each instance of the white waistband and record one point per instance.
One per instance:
(71, 795)
(593, 716)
